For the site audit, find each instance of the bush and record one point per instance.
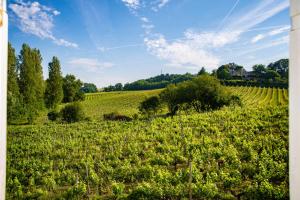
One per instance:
(203, 93)
(53, 115)
(150, 105)
(114, 116)
(72, 113)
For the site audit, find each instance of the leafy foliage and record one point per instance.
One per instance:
(54, 87)
(150, 105)
(89, 88)
(31, 81)
(71, 89)
(202, 93)
(115, 116)
(72, 113)
(235, 153)
(53, 115)
(14, 101)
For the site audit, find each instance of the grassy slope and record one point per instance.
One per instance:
(126, 103)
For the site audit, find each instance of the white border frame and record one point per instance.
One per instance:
(294, 99)
(3, 93)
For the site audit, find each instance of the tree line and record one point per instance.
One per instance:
(157, 82)
(273, 75)
(28, 93)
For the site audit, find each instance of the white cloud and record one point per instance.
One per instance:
(271, 33)
(180, 53)
(37, 19)
(133, 4)
(198, 49)
(55, 12)
(162, 3)
(154, 5)
(159, 4)
(263, 11)
(90, 64)
(277, 42)
(144, 19)
(280, 30)
(62, 42)
(257, 38)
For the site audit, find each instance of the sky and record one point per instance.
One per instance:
(110, 41)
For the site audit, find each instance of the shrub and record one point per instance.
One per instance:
(203, 93)
(118, 188)
(72, 113)
(114, 116)
(150, 105)
(53, 115)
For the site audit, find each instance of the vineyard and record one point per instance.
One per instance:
(232, 153)
(255, 96)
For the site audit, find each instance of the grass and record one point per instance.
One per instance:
(125, 102)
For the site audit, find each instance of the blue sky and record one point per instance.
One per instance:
(111, 41)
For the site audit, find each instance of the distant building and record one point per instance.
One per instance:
(241, 73)
(251, 75)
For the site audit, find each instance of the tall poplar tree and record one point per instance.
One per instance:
(13, 94)
(54, 85)
(31, 81)
(39, 84)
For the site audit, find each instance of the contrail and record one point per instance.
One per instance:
(228, 14)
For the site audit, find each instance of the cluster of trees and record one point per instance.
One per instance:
(89, 88)
(274, 72)
(277, 71)
(116, 87)
(156, 82)
(28, 93)
(202, 93)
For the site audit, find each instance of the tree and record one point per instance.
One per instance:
(72, 113)
(271, 75)
(13, 93)
(39, 80)
(223, 72)
(71, 89)
(89, 88)
(118, 87)
(202, 72)
(31, 81)
(281, 66)
(54, 85)
(259, 70)
(150, 105)
(202, 93)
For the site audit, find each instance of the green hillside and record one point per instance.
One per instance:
(232, 153)
(126, 102)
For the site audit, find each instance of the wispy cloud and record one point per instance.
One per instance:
(180, 53)
(198, 48)
(280, 41)
(159, 4)
(90, 64)
(257, 38)
(154, 5)
(144, 19)
(274, 32)
(132, 4)
(37, 19)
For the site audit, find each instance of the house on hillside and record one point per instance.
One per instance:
(251, 75)
(241, 73)
(237, 72)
